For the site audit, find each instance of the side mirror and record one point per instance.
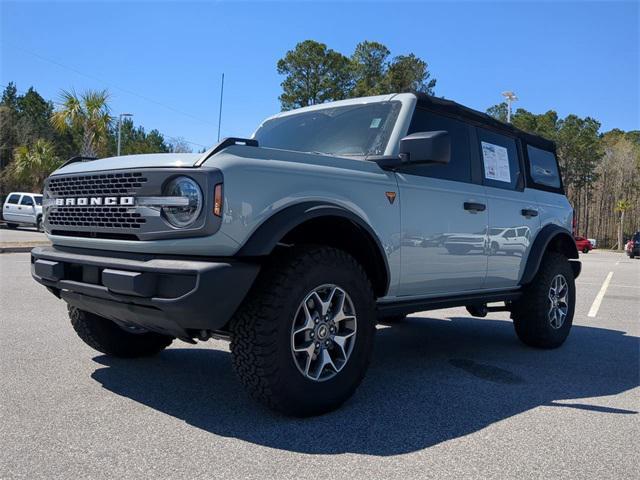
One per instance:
(426, 147)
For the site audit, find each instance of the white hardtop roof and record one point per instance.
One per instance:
(344, 103)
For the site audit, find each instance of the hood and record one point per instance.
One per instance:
(150, 160)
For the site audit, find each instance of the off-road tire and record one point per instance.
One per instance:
(261, 330)
(530, 312)
(107, 337)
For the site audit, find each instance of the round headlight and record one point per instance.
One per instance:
(183, 216)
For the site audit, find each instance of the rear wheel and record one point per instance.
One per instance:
(109, 338)
(543, 316)
(302, 341)
(585, 250)
(12, 225)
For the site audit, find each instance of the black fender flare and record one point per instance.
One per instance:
(267, 236)
(548, 236)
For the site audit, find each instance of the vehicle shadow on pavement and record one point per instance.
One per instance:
(430, 381)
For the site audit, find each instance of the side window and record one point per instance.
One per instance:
(459, 167)
(26, 200)
(500, 162)
(13, 199)
(543, 167)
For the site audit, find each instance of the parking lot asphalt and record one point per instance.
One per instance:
(447, 396)
(20, 235)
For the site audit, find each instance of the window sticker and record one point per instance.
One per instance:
(496, 162)
(375, 123)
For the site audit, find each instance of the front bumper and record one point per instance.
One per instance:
(177, 296)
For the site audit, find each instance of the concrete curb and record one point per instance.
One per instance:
(20, 247)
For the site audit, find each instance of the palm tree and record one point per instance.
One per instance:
(33, 164)
(88, 113)
(621, 207)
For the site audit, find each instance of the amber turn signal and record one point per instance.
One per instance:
(217, 200)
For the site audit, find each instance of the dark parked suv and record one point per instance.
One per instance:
(633, 247)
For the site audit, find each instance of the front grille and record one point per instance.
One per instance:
(102, 217)
(114, 204)
(124, 183)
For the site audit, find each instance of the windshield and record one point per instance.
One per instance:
(352, 130)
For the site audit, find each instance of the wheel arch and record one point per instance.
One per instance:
(550, 238)
(327, 224)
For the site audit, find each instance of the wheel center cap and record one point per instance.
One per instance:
(323, 331)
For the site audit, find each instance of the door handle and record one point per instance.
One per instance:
(475, 207)
(19, 208)
(528, 212)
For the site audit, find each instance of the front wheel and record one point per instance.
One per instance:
(302, 341)
(543, 316)
(585, 250)
(109, 338)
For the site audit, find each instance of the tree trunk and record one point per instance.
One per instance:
(620, 231)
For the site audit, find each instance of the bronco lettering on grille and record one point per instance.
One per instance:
(95, 201)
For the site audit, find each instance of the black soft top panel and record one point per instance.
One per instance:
(453, 109)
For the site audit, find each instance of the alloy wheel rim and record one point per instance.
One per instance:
(323, 333)
(558, 301)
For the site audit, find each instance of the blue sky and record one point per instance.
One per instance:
(162, 60)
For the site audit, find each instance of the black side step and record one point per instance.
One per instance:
(406, 307)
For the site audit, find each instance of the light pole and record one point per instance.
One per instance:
(120, 128)
(220, 112)
(511, 97)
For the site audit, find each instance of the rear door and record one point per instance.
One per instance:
(10, 212)
(513, 210)
(27, 209)
(444, 217)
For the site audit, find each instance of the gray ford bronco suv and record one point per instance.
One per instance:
(293, 243)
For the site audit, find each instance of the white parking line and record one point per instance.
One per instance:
(595, 306)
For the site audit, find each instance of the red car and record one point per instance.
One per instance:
(583, 244)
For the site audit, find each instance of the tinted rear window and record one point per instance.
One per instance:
(38, 200)
(544, 167)
(13, 198)
(26, 200)
(500, 160)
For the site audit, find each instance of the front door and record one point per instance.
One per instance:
(10, 213)
(444, 218)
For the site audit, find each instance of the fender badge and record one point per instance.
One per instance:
(391, 196)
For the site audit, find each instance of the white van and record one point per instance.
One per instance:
(22, 208)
